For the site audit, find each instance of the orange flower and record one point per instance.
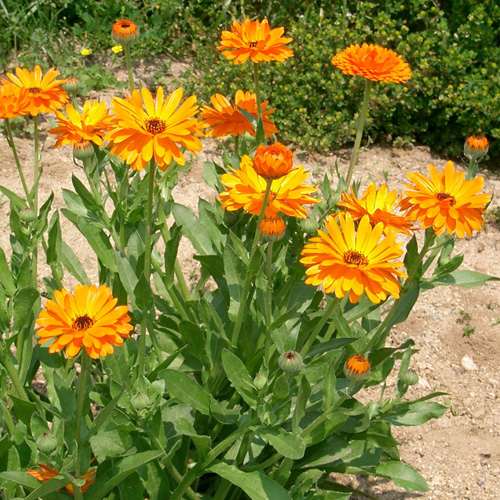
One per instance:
(272, 228)
(48, 473)
(357, 367)
(246, 190)
(254, 40)
(446, 201)
(378, 204)
(273, 162)
(475, 146)
(90, 319)
(156, 131)
(373, 62)
(14, 100)
(226, 119)
(344, 260)
(91, 125)
(125, 31)
(44, 92)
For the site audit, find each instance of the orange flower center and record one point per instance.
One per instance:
(155, 126)
(83, 323)
(446, 196)
(34, 90)
(356, 258)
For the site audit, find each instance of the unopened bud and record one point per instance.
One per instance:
(290, 362)
(83, 150)
(476, 147)
(46, 443)
(27, 215)
(357, 368)
(72, 85)
(309, 225)
(139, 401)
(259, 381)
(409, 378)
(272, 228)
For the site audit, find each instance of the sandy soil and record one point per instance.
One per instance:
(459, 454)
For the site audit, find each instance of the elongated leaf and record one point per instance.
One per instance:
(300, 407)
(24, 305)
(240, 378)
(71, 262)
(127, 274)
(330, 450)
(99, 242)
(235, 277)
(289, 444)
(6, 276)
(403, 475)
(255, 484)
(13, 197)
(194, 337)
(193, 229)
(414, 413)
(463, 278)
(48, 487)
(186, 390)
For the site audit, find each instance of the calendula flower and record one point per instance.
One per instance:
(357, 367)
(90, 319)
(116, 49)
(246, 189)
(348, 261)
(379, 205)
(85, 52)
(226, 119)
(89, 125)
(446, 201)
(373, 62)
(125, 31)
(273, 162)
(154, 129)
(14, 100)
(48, 473)
(475, 147)
(254, 40)
(272, 228)
(45, 92)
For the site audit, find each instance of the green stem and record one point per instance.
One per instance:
(472, 170)
(359, 131)
(36, 179)
(260, 123)
(14, 376)
(80, 402)
(126, 48)
(237, 146)
(326, 316)
(18, 163)
(269, 302)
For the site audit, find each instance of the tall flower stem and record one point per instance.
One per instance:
(472, 171)
(359, 131)
(14, 376)
(260, 124)
(126, 48)
(80, 403)
(269, 302)
(147, 260)
(36, 179)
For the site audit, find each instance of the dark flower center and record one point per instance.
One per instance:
(356, 258)
(125, 26)
(155, 126)
(446, 196)
(83, 323)
(252, 45)
(34, 90)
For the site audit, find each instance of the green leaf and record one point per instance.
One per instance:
(300, 406)
(235, 276)
(24, 305)
(222, 413)
(240, 378)
(186, 390)
(99, 242)
(127, 275)
(330, 385)
(331, 345)
(288, 444)
(113, 443)
(54, 242)
(13, 197)
(330, 450)
(86, 197)
(6, 275)
(193, 229)
(414, 413)
(256, 485)
(48, 487)
(403, 475)
(144, 297)
(72, 263)
(193, 335)
(170, 255)
(466, 279)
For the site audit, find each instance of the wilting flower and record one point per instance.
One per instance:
(85, 52)
(45, 93)
(273, 162)
(91, 125)
(446, 201)
(346, 261)
(254, 40)
(116, 49)
(226, 119)
(14, 100)
(379, 205)
(372, 62)
(156, 131)
(475, 147)
(357, 367)
(272, 228)
(125, 31)
(48, 473)
(90, 319)
(246, 189)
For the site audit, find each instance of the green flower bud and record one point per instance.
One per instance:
(309, 225)
(139, 401)
(83, 150)
(46, 443)
(27, 215)
(409, 378)
(259, 381)
(290, 362)
(72, 85)
(357, 368)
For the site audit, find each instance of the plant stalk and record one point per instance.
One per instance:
(126, 48)
(80, 402)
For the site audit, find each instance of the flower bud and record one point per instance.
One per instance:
(27, 215)
(409, 378)
(357, 368)
(83, 150)
(290, 362)
(259, 381)
(139, 401)
(125, 32)
(476, 147)
(46, 443)
(309, 225)
(272, 228)
(273, 162)
(72, 85)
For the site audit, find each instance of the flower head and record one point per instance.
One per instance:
(90, 319)
(475, 147)
(14, 100)
(226, 119)
(273, 162)
(116, 49)
(379, 205)
(272, 228)
(124, 31)
(45, 92)
(348, 261)
(446, 201)
(48, 473)
(91, 125)
(147, 129)
(372, 62)
(85, 52)
(254, 40)
(246, 189)
(357, 367)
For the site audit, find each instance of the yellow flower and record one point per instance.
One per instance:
(446, 201)
(85, 52)
(346, 261)
(90, 319)
(117, 49)
(146, 129)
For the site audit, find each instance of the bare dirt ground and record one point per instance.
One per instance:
(458, 454)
